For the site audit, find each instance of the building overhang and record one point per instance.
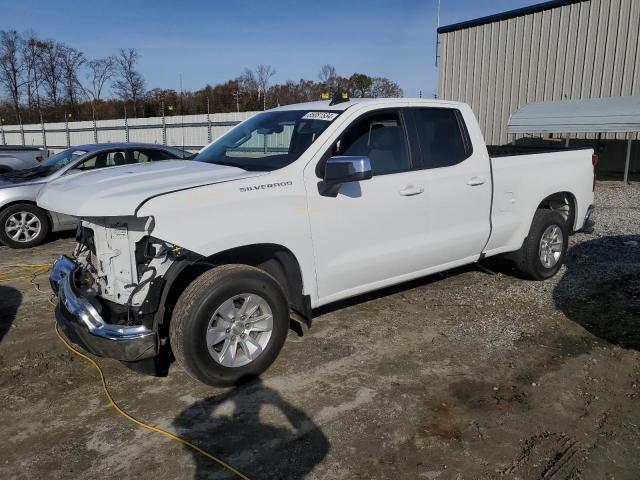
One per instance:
(594, 115)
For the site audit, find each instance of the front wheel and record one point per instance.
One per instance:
(229, 325)
(545, 247)
(23, 226)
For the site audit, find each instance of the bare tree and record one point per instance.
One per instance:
(100, 71)
(12, 66)
(264, 73)
(72, 60)
(382, 87)
(248, 82)
(130, 84)
(32, 71)
(328, 77)
(51, 68)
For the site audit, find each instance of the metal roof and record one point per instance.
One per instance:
(518, 12)
(594, 115)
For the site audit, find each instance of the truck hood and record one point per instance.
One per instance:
(119, 191)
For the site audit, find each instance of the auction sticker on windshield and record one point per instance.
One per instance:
(326, 116)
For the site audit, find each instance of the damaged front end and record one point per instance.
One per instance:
(110, 291)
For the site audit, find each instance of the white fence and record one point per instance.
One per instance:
(191, 131)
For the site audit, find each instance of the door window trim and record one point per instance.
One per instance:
(462, 126)
(404, 120)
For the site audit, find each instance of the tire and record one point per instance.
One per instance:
(529, 259)
(35, 221)
(203, 314)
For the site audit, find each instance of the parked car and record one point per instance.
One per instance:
(24, 225)
(16, 158)
(295, 208)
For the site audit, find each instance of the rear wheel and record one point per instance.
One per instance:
(23, 226)
(545, 247)
(229, 325)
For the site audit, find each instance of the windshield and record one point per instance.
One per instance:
(268, 141)
(61, 159)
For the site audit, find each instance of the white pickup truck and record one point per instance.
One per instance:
(295, 208)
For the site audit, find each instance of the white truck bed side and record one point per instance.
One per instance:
(521, 182)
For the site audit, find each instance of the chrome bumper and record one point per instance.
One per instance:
(82, 324)
(588, 223)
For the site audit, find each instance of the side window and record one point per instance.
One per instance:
(107, 159)
(380, 137)
(151, 155)
(90, 163)
(442, 137)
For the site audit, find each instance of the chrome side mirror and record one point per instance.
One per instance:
(339, 170)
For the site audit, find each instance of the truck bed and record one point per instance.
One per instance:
(513, 150)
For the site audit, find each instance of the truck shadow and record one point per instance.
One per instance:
(600, 289)
(10, 300)
(234, 427)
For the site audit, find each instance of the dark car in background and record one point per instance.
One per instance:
(19, 157)
(23, 224)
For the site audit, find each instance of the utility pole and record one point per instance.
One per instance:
(208, 122)
(164, 126)
(21, 130)
(66, 128)
(95, 126)
(437, 34)
(181, 113)
(4, 140)
(44, 134)
(236, 95)
(126, 126)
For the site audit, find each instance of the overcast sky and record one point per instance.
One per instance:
(213, 41)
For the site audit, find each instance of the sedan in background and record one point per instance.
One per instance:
(24, 225)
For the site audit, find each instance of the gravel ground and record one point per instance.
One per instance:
(470, 374)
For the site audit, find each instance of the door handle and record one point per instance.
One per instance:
(411, 190)
(473, 181)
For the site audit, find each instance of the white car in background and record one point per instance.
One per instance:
(23, 224)
(292, 209)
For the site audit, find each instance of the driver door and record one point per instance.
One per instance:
(372, 233)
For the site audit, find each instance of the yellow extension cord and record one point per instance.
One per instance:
(45, 267)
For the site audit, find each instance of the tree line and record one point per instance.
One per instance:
(46, 80)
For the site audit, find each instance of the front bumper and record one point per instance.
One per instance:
(83, 325)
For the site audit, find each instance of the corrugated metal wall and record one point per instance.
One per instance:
(583, 50)
(193, 136)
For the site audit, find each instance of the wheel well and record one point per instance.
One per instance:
(276, 260)
(28, 202)
(564, 203)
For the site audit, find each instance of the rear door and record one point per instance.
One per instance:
(458, 186)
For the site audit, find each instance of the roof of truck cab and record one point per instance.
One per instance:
(342, 106)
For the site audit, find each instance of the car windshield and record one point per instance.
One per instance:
(56, 162)
(268, 141)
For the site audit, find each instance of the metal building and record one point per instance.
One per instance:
(557, 50)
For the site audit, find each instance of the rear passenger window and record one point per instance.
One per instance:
(442, 137)
(152, 155)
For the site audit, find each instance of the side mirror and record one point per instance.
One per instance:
(339, 170)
